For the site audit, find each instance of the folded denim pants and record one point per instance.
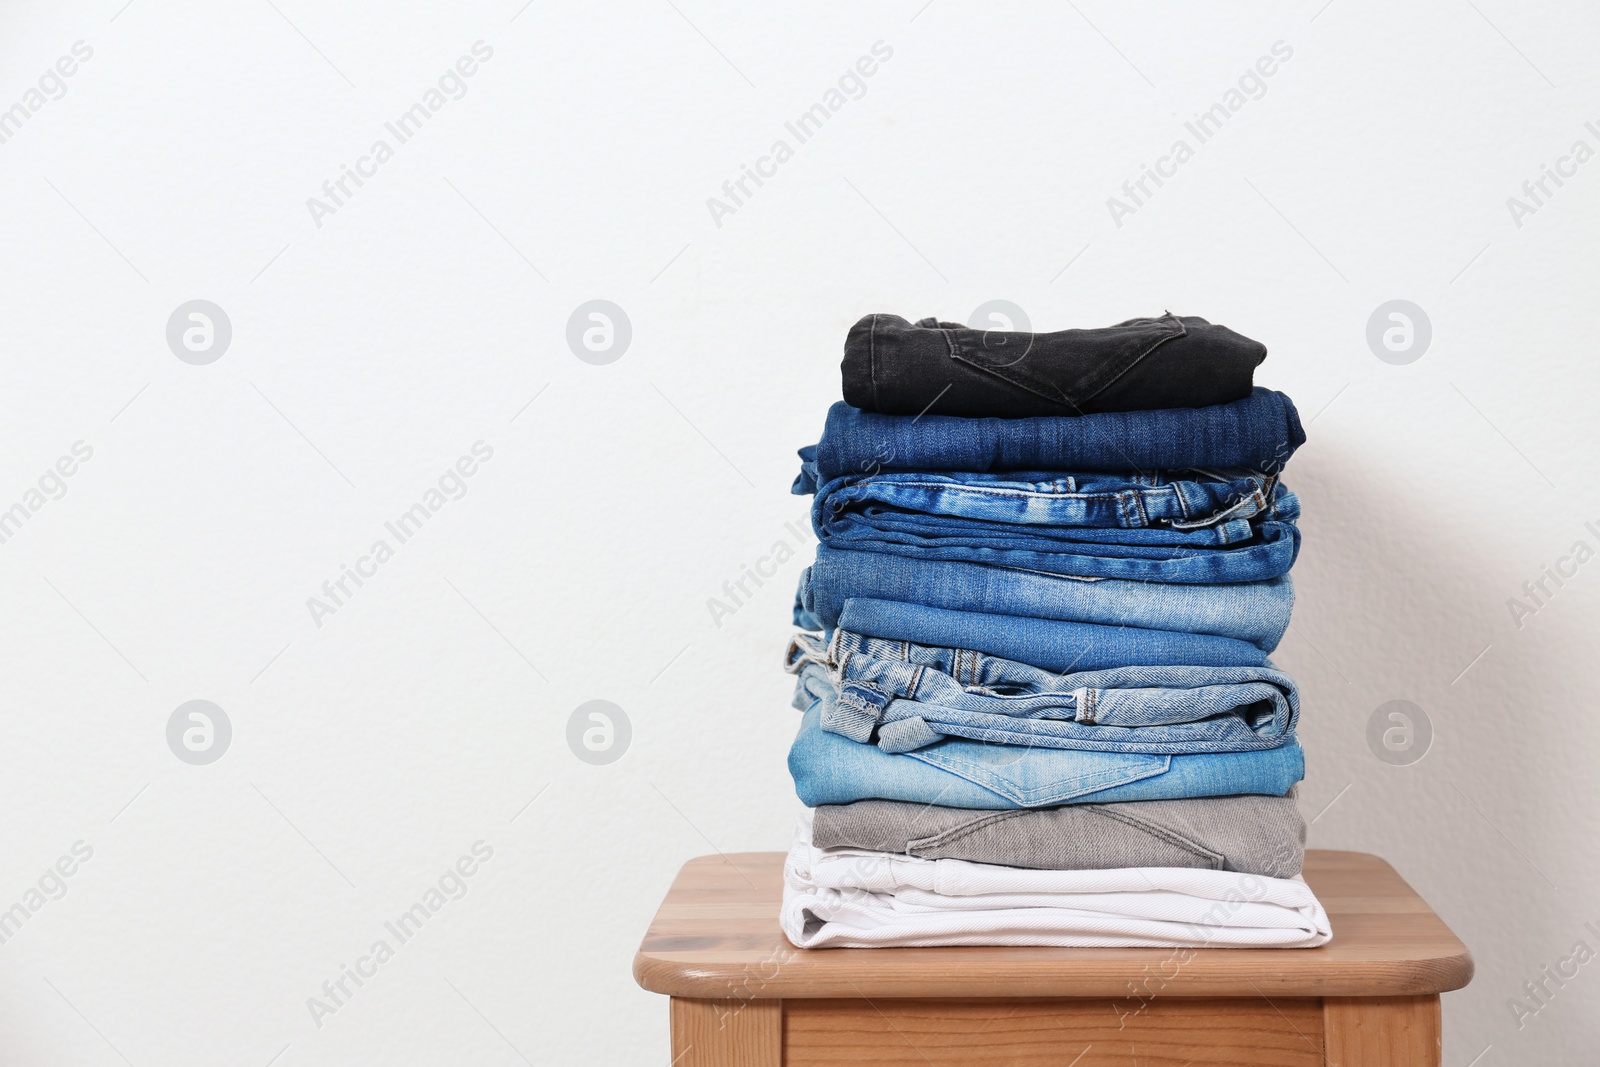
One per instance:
(897, 367)
(1045, 643)
(829, 769)
(1250, 834)
(1260, 432)
(1265, 549)
(1198, 508)
(1257, 612)
(1240, 529)
(904, 697)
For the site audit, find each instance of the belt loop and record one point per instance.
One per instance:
(1130, 503)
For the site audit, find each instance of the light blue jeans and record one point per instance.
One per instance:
(903, 697)
(830, 769)
(1045, 643)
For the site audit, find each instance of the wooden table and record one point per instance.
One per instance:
(741, 994)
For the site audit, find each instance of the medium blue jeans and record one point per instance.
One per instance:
(1260, 432)
(829, 769)
(1044, 643)
(903, 697)
(1204, 505)
(1257, 612)
(1228, 527)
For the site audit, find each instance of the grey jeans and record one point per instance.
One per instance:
(1250, 834)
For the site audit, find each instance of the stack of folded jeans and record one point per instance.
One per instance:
(1033, 659)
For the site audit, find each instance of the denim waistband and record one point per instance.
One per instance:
(1181, 500)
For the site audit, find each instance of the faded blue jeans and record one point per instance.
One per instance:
(903, 697)
(830, 769)
(1045, 643)
(1257, 612)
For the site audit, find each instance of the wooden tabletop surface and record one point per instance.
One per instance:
(716, 936)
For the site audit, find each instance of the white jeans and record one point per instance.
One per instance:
(854, 898)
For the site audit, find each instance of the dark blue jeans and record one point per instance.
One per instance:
(1259, 432)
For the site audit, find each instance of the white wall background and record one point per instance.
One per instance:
(370, 352)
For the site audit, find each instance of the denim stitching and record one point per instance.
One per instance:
(1166, 834)
(1091, 385)
(966, 829)
(1083, 785)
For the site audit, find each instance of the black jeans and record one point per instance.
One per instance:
(898, 368)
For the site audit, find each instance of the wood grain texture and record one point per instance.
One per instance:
(1053, 1033)
(716, 936)
(727, 1033)
(1393, 1032)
